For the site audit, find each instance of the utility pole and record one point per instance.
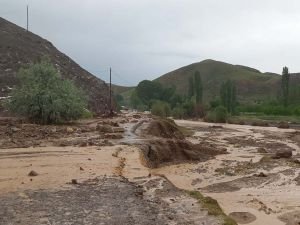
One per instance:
(27, 18)
(110, 94)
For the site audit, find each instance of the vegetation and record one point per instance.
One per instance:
(228, 96)
(43, 96)
(262, 95)
(217, 115)
(212, 206)
(285, 86)
(161, 109)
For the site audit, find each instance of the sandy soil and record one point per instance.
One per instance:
(112, 186)
(267, 198)
(248, 184)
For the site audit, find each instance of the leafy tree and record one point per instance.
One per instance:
(220, 114)
(148, 90)
(44, 97)
(198, 88)
(161, 109)
(135, 101)
(191, 89)
(228, 96)
(285, 79)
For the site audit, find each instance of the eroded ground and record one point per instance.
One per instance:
(86, 173)
(134, 170)
(249, 183)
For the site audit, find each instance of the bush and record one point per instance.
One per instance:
(43, 96)
(161, 109)
(218, 115)
(221, 114)
(178, 112)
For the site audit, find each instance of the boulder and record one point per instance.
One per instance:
(283, 154)
(283, 125)
(32, 173)
(104, 128)
(118, 129)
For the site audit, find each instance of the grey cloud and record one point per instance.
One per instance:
(142, 39)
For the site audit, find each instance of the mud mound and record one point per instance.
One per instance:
(15, 134)
(162, 151)
(164, 128)
(20, 48)
(239, 183)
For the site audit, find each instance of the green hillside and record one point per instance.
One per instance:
(252, 85)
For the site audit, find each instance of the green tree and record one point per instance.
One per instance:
(191, 88)
(44, 97)
(285, 79)
(228, 96)
(160, 108)
(149, 90)
(198, 88)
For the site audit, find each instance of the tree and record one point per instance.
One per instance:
(149, 90)
(161, 109)
(198, 88)
(285, 79)
(228, 96)
(44, 97)
(191, 87)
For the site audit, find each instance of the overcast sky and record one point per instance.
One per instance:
(143, 39)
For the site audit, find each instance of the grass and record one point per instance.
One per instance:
(247, 118)
(212, 206)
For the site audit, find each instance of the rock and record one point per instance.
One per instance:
(242, 217)
(137, 116)
(114, 124)
(216, 127)
(297, 161)
(104, 128)
(32, 173)
(134, 121)
(261, 174)
(70, 130)
(283, 125)
(83, 144)
(15, 129)
(118, 130)
(113, 136)
(283, 154)
(74, 181)
(261, 150)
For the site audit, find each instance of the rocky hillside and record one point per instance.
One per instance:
(19, 48)
(251, 83)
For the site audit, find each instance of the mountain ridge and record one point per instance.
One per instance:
(20, 48)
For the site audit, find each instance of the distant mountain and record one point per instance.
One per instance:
(20, 48)
(251, 83)
(118, 89)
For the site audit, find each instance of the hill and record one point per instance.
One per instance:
(251, 83)
(20, 48)
(118, 89)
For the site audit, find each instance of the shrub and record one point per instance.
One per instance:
(44, 97)
(178, 112)
(221, 114)
(161, 109)
(218, 115)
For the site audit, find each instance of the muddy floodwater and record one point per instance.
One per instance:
(94, 173)
(242, 181)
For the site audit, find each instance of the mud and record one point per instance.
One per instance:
(248, 180)
(88, 184)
